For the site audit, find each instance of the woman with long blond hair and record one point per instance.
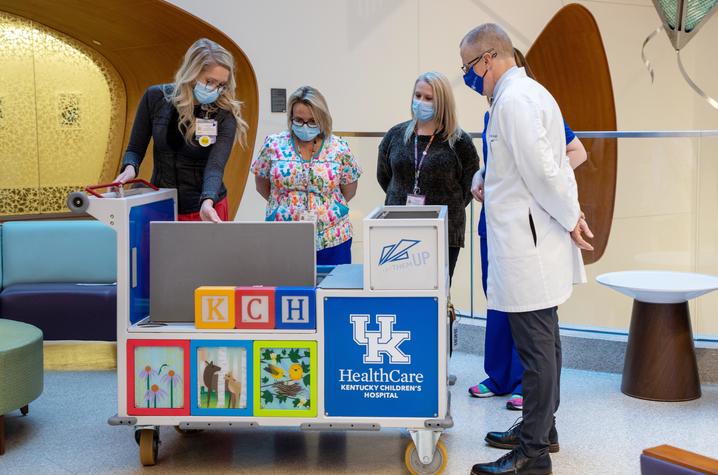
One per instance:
(194, 122)
(429, 159)
(306, 173)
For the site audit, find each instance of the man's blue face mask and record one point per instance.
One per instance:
(473, 80)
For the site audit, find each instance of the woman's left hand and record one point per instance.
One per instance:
(208, 213)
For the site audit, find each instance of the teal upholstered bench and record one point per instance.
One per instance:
(59, 276)
(20, 369)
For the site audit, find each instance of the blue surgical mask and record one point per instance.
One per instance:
(204, 95)
(423, 111)
(305, 133)
(474, 81)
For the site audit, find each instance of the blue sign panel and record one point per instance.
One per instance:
(381, 356)
(140, 218)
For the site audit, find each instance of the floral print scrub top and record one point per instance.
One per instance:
(299, 186)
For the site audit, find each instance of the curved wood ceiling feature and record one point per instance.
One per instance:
(145, 40)
(568, 58)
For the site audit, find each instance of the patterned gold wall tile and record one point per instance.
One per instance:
(18, 140)
(52, 198)
(63, 112)
(17, 201)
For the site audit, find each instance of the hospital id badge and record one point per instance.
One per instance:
(309, 216)
(415, 200)
(206, 131)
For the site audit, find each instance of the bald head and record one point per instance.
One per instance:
(488, 36)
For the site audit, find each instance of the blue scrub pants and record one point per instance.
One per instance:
(333, 256)
(501, 361)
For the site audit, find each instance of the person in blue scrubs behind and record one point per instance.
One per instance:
(501, 361)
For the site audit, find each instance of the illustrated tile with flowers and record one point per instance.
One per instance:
(157, 377)
(285, 376)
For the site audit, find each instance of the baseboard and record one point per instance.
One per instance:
(80, 355)
(589, 350)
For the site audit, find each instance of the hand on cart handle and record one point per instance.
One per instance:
(127, 174)
(208, 213)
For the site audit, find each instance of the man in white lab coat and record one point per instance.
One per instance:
(534, 226)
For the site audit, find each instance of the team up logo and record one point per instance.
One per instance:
(386, 341)
(397, 252)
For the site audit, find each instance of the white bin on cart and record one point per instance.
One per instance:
(406, 248)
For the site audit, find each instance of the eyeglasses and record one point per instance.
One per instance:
(212, 86)
(310, 123)
(465, 67)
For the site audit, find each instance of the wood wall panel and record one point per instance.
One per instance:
(568, 58)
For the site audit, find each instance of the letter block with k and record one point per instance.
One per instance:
(214, 307)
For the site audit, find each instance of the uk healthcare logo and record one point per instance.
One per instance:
(397, 252)
(386, 341)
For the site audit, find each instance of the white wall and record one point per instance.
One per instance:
(364, 55)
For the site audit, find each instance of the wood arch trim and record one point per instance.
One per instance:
(569, 59)
(145, 40)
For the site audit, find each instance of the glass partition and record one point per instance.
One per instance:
(665, 203)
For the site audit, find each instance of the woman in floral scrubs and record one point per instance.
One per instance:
(307, 174)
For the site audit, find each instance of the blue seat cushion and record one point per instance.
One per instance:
(64, 311)
(58, 251)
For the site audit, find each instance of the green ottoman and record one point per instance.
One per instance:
(20, 369)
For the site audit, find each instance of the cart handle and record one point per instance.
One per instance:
(91, 189)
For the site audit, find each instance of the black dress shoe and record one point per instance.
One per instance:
(509, 440)
(515, 463)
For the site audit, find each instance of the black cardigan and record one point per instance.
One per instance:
(195, 171)
(445, 175)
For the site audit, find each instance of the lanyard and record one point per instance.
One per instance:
(418, 162)
(307, 164)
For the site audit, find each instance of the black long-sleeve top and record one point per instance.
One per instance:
(195, 171)
(445, 177)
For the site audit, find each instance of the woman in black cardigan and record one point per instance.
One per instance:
(194, 123)
(429, 159)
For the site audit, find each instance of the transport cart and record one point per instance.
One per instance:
(362, 349)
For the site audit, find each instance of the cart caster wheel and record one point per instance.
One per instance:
(416, 467)
(187, 432)
(77, 202)
(149, 440)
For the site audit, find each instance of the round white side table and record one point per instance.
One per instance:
(660, 362)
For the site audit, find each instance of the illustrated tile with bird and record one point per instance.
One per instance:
(285, 378)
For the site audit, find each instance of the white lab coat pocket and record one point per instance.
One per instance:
(541, 220)
(510, 230)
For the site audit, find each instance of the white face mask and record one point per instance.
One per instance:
(305, 133)
(422, 110)
(204, 94)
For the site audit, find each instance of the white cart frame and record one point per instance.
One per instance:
(113, 209)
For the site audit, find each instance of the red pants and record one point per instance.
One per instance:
(220, 207)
